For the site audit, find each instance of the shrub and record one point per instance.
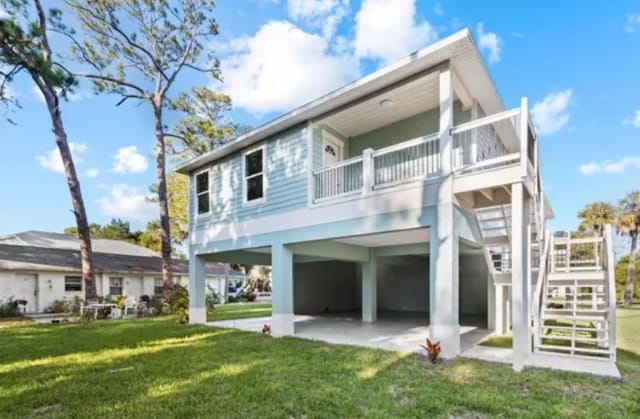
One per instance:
(58, 306)
(9, 308)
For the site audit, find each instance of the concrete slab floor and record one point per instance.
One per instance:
(392, 331)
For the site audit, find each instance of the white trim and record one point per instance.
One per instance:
(311, 187)
(263, 173)
(195, 192)
(496, 117)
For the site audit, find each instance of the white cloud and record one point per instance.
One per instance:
(324, 14)
(127, 159)
(52, 160)
(633, 23)
(636, 119)
(609, 166)
(71, 96)
(93, 172)
(127, 202)
(388, 30)
(490, 42)
(282, 67)
(552, 114)
(3, 14)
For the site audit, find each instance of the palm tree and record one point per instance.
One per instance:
(629, 225)
(595, 216)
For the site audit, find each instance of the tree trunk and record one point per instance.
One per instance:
(631, 273)
(84, 235)
(163, 202)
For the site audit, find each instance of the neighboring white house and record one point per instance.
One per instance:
(411, 190)
(40, 267)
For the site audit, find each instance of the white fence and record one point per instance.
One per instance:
(406, 161)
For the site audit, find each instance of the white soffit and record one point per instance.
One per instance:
(393, 238)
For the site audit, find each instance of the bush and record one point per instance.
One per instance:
(58, 306)
(9, 308)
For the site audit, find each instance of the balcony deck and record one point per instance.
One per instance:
(488, 152)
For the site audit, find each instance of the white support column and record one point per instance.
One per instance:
(473, 158)
(501, 312)
(369, 273)
(367, 171)
(491, 304)
(444, 324)
(282, 290)
(524, 135)
(520, 281)
(446, 120)
(197, 290)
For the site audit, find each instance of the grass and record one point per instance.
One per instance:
(156, 368)
(239, 311)
(6, 322)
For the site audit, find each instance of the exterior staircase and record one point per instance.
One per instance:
(574, 301)
(573, 290)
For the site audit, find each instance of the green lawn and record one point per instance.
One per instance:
(239, 311)
(157, 368)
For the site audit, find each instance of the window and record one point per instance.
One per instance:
(254, 175)
(115, 286)
(202, 192)
(72, 283)
(157, 286)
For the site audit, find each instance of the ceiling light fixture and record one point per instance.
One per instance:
(386, 103)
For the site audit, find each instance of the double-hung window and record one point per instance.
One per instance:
(254, 179)
(158, 285)
(202, 192)
(72, 283)
(115, 286)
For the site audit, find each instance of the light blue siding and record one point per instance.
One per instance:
(419, 125)
(286, 181)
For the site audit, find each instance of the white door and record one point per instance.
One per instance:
(27, 290)
(331, 150)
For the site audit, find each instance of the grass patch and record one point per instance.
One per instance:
(239, 311)
(156, 368)
(6, 322)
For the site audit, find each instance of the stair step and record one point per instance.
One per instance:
(567, 317)
(570, 328)
(574, 349)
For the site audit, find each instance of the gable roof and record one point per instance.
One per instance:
(71, 242)
(460, 48)
(19, 257)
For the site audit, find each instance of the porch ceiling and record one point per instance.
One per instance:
(408, 99)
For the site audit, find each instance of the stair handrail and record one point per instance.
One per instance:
(609, 266)
(537, 299)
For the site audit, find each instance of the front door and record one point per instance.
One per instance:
(331, 149)
(27, 290)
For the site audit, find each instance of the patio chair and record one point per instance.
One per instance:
(130, 305)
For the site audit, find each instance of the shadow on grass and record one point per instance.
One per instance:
(151, 368)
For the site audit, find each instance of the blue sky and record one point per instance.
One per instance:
(577, 62)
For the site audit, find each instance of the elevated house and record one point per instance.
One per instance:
(40, 267)
(412, 193)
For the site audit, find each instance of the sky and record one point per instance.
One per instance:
(578, 62)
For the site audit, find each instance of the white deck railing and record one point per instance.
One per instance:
(341, 179)
(406, 161)
(494, 141)
(576, 254)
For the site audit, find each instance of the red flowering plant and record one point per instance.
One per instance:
(266, 329)
(433, 350)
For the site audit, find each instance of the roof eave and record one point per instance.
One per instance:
(321, 105)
